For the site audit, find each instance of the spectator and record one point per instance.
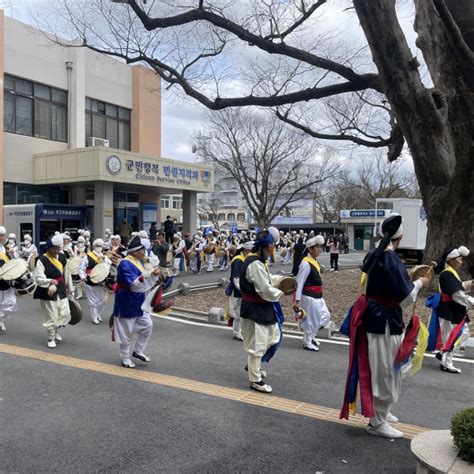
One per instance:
(334, 249)
(160, 249)
(168, 227)
(135, 224)
(298, 255)
(153, 231)
(125, 231)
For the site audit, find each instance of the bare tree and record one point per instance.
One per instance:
(273, 166)
(208, 209)
(201, 46)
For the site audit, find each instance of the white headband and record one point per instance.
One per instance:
(460, 252)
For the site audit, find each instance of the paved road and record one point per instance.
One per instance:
(61, 414)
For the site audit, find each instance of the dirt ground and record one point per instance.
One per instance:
(340, 290)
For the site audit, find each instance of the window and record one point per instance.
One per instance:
(34, 109)
(231, 216)
(177, 202)
(241, 216)
(108, 121)
(221, 217)
(165, 202)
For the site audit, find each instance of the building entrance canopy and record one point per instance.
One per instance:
(94, 164)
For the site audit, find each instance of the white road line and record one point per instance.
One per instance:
(289, 336)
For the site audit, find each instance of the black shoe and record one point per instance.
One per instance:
(450, 370)
(142, 357)
(439, 355)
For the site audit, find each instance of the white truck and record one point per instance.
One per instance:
(415, 226)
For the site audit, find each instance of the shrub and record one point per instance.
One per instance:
(462, 429)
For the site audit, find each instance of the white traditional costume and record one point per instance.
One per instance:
(310, 293)
(7, 294)
(54, 281)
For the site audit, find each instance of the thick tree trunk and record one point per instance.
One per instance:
(437, 123)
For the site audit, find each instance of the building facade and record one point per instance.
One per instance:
(85, 129)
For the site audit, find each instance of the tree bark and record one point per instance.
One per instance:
(437, 123)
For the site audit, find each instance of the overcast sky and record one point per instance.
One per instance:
(182, 115)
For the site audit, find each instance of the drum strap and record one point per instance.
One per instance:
(55, 262)
(4, 257)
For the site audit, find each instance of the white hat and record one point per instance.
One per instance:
(116, 237)
(143, 234)
(12, 236)
(98, 243)
(107, 232)
(392, 225)
(318, 240)
(145, 243)
(57, 240)
(66, 236)
(80, 231)
(81, 238)
(248, 245)
(134, 234)
(459, 252)
(175, 236)
(87, 233)
(27, 237)
(179, 234)
(275, 234)
(3, 231)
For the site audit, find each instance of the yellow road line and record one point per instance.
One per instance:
(244, 396)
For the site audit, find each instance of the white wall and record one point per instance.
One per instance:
(31, 55)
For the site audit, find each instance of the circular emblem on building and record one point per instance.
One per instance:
(113, 164)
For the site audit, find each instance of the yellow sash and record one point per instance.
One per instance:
(4, 257)
(450, 269)
(93, 256)
(238, 257)
(313, 262)
(55, 262)
(135, 262)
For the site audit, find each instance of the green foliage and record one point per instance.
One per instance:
(462, 429)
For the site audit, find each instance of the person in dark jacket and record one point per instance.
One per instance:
(298, 250)
(160, 249)
(168, 227)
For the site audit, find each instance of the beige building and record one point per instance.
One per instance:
(84, 129)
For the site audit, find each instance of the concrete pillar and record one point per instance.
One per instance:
(77, 195)
(189, 211)
(78, 98)
(103, 208)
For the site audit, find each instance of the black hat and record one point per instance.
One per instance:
(135, 244)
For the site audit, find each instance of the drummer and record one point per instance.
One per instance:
(68, 248)
(29, 248)
(54, 282)
(309, 295)
(129, 318)
(96, 293)
(7, 294)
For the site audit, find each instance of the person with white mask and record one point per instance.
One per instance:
(96, 293)
(7, 294)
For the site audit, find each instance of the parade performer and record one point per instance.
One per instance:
(29, 248)
(211, 256)
(260, 311)
(96, 293)
(376, 332)
(54, 282)
(68, 248)
(449, 322)
(129, 318)
(233, 290)
(7, 294)
(309, 295)
(178, 248)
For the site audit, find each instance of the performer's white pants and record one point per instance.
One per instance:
(124, 328)
(288, 257)
(176, 265)
(317, 315)
(96, 297)
(234, 311)
(446, 328)
(55, 314)
(79, 289)
(211, 258)
(7, 303)
(386, 382)
(257, 339)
